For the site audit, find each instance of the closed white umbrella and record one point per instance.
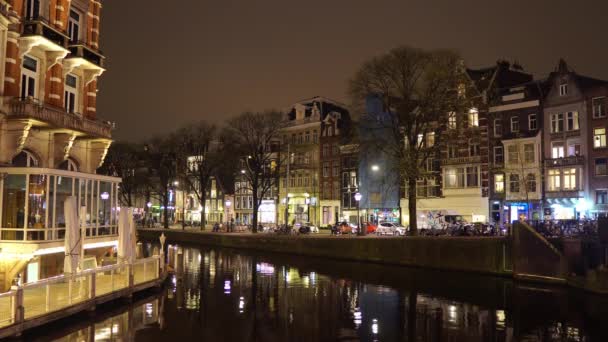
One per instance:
(132, 236)
(72, 236)
(126, 235)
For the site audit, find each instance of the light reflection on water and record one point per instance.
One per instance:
(224, 295)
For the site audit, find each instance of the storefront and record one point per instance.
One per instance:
(380, 215)
(267, 212)
(568, 208)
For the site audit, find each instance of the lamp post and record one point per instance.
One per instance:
(358, 199)
(149, 218)
(228, 203)
(104, 198)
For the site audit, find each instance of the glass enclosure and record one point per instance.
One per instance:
(32, 203)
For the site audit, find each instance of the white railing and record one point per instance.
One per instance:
(7, 308)
(57, 293)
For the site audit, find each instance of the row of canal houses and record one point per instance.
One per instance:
(529, 148)
(51, 139)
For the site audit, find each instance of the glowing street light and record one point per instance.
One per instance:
(358, 199)
(375, 168)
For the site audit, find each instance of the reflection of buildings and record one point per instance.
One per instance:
(51, 140)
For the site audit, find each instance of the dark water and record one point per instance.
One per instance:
(226, 295)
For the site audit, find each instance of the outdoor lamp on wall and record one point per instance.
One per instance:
(104, 196)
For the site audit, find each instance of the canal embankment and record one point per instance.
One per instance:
(478, 255)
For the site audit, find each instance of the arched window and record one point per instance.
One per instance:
(69, 165)
(25, 159)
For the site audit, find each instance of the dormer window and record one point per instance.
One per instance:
(563, 89)
(74, 26)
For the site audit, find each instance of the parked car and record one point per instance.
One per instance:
(345, 228)
(311, 228)
(371, 228)
(390, 228)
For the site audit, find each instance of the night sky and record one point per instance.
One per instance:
(174, 62)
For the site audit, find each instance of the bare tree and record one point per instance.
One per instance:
(200, 158)
(256, 138)
(124, 160)
(160, 157)
(417, 89)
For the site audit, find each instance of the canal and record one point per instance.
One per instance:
(228, 295)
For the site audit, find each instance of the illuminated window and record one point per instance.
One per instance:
(599, 137)
(557, 150)
(473, 117)
(430, 139)
(563, 89)
(570, 179)
(554, 180)
(452, 120)
(557, 123)
(572, 121)
(499, 183)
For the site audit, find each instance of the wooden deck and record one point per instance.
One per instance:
(50, 299)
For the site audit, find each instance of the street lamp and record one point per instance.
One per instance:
(228, 204)
(375, 168)
(358, 199)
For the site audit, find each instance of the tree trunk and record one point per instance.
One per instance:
(203, 210)
(256, 205)
(411, 203)
(166, 210)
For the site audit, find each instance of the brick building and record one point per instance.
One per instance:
(51, 141)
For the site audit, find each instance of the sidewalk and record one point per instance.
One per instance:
(208, 228)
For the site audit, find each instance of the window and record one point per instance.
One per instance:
(574, 149)
(514, 124)
(531, 182)
(499, 183)
(452, 151)
(599, 107)
(499, 157)
(557, 123)
(601, 196)
(529, 153)
(325, 169)
(315, 137)
(473, 148)
(293, 138)
(25, 159)
(452, 120)
(497, 127)
(570, 179)
(335, 149)
(307, 137)
(557, 150)
(513, 154)
(461, 177)
(554, 180)
(473, 117)
(29, 77)
(74, 26)
(336, 168)
(325, 150)
(600, 167)
(572, 121)
(514, 183)
(430, 139)
(472, 176)
(32, 9)
(599, 137)
(419, 140)
(532, 123)
(563, 89)
(70, 101)
(300, 138)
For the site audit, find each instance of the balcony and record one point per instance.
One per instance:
(81, 50)
(58, 118)
(567, 161)
(40, 27)
(461, 160)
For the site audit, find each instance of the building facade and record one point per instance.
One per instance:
(516, 158)
(349, 186)
(51, 140)
(302, 170)
(574, 144)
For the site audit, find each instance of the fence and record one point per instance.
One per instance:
(54, 294)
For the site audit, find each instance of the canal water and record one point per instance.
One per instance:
(228, 295)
